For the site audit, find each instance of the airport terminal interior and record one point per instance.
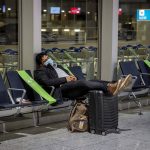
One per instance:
(75, 33)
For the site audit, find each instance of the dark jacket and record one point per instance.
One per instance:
(46, 76)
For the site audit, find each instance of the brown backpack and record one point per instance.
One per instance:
(78, 119)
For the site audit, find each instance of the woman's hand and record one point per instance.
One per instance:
(71, 78)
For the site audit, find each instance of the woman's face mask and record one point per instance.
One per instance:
(50, 62)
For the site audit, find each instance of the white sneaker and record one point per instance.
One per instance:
(23, 101)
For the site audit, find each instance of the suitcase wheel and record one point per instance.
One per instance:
(92, 131)
(118, 131)
(103, 133)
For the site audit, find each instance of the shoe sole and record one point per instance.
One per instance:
(118, 87)
(126, 82)
(25, 102)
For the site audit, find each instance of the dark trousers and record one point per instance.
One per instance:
(75, 89)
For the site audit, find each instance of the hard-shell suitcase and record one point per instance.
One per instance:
(103, 113)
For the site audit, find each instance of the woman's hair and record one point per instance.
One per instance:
(39, 58)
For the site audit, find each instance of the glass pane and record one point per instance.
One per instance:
(69, 32)
(133, 30)
(133, 34)
(8, 35)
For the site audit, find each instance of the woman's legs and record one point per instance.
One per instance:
(75, 89)
(79, 88)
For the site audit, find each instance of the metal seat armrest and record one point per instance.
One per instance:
(144, 74)
(15, 89)
(148, 74)
(52, 91)
(133, 77)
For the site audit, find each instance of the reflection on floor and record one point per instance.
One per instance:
(134, 136)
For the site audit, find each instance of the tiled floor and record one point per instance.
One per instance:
(135, 135)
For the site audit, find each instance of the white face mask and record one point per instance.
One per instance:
(50, 62)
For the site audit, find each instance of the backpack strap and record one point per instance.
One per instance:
(71, 114)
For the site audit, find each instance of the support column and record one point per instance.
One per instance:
(109, 39)
(30, 28)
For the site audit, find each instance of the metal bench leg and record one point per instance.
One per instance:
(138, 103)
(3, 126)
(35, 118)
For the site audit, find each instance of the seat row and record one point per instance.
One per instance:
(20, 89)
(141, 75)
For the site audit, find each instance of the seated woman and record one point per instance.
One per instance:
(49, 74)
